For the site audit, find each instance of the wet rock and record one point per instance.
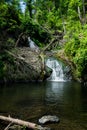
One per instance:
(48, 72)
(43, 128)
(48, 118)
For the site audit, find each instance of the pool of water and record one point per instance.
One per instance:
(67, 100)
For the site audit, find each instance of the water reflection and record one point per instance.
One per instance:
(30, 101)
(68, 98)
(54, 92)
(14, 97)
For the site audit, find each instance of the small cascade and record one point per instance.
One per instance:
(32, 44)
(59, 71)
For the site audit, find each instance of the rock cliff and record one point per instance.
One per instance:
(25, 65)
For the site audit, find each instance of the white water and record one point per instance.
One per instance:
(58, 73)
(32, 44)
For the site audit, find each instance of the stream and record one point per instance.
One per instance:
(30, 101)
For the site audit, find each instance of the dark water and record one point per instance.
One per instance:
(67, 100)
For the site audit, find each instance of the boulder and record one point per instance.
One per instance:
(48, 72)
(48, 118)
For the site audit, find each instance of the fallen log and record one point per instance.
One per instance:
(23, 123)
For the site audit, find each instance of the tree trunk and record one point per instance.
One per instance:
(29, 5)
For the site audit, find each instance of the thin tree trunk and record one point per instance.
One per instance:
(79, 14)
(84, 13)
(18, 39)
(64, 28)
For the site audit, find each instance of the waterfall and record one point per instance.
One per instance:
(59, 71)
(32, 45)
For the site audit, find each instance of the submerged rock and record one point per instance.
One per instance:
(18, 127)
(48, 118)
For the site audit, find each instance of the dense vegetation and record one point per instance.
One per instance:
(43, 21)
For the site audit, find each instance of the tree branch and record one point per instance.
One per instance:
(8, 126)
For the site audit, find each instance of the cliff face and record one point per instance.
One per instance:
(26, 65)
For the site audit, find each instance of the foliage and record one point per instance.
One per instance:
(41, 20)
(76, 49)
(35, 31)
(9, 18)
(5, 59)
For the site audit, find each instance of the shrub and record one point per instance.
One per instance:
(76, 49)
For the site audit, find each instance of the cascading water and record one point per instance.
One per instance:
(32, 45)
(59, 70)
